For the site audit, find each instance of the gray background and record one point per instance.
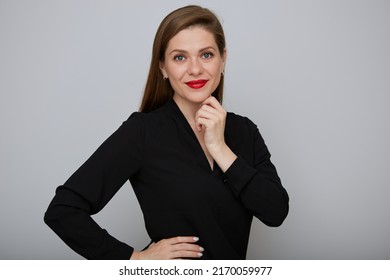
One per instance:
(314, 76)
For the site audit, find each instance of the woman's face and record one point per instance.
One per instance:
(193, 65)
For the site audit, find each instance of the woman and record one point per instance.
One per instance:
(200, 174)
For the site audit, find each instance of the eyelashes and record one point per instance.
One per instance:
(181, 57)
(207, 55)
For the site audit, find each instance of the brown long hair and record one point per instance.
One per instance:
(157, 90)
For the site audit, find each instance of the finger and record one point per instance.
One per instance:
(186, 254)
(208, 108)
(211, 115)
(210, 100)
(219, 112)
(213, 102)
(187, 247)
(204, 123)
(209, 112)
(182, 239)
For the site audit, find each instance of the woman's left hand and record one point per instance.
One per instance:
(211, 118)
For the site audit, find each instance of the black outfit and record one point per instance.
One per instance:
(179, 193)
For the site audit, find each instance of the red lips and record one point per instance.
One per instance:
(196, 84)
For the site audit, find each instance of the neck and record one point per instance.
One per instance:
(188, 109)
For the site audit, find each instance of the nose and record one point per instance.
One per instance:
(194, 67)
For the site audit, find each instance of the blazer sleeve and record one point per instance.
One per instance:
(91, 187)
(256, 182)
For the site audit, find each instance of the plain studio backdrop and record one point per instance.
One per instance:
(313, 75)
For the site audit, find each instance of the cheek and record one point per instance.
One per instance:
(175, 70)
(215, 69)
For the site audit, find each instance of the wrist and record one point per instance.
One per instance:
(223, 155)
(217, 149)
(135, 255)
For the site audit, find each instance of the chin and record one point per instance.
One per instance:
(198, 96)
(199, 99)
(194, 96)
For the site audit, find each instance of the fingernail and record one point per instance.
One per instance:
(200, 254)
(196, 238)
(201, 249)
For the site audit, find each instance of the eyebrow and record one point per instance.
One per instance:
(183, 51)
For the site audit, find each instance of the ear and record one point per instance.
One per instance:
(224, 56)
(162, 68)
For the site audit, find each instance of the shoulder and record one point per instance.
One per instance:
(239, 124)
(148, 124)
(242, 132)
(141, 118)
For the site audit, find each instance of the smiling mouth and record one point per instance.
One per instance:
(196, 84)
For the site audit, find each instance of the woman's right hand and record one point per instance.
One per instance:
(172, 248)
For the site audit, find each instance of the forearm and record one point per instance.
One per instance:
(223, 156)
(79, 231)
(135, 255)
(260, 191)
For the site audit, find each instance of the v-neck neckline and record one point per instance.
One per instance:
(180, 116)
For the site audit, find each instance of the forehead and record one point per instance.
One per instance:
(192, 39)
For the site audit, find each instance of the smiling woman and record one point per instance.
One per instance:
(157, 92)
(193, 65)
(199, 173)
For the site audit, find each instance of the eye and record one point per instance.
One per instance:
(207, 55)
(179, 57)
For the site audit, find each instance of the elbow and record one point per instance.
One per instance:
(280, 211)
(50, 217)
(54, 216)
(277, 216)
(278, 220)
